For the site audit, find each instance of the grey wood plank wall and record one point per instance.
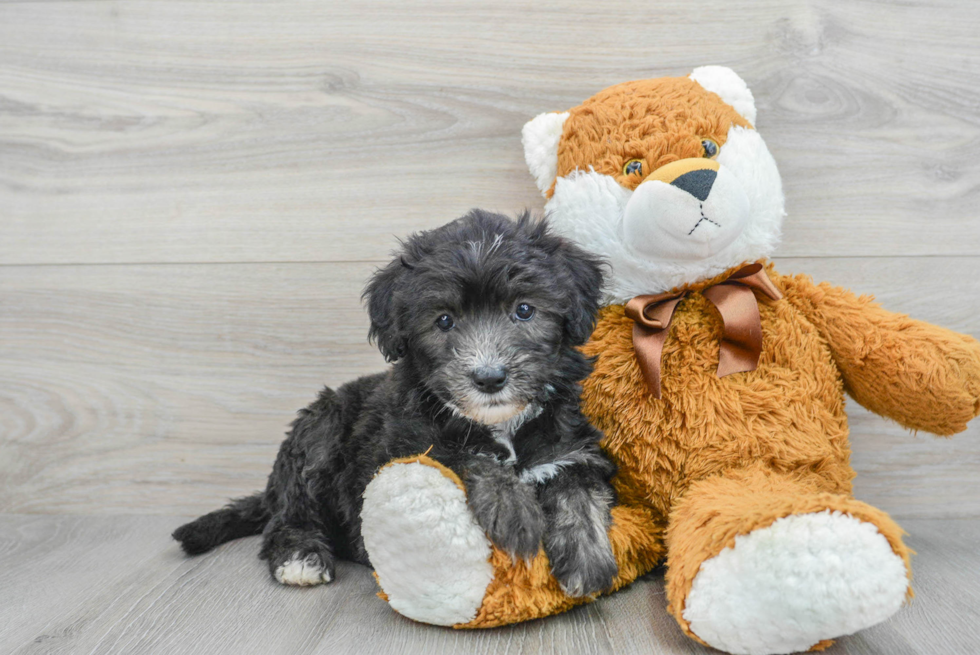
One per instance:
(192, 194)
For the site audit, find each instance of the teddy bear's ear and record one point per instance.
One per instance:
(540, 137)
(727, 84)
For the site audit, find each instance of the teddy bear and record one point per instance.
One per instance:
(719, 384)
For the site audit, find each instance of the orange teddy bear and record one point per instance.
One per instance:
(719, 384)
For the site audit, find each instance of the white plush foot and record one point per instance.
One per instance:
(431, 557)
(805, 578)
(303, 571)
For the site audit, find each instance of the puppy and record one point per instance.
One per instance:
(481, 318)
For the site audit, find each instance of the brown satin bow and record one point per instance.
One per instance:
(741, 341)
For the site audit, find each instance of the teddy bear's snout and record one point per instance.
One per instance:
(688, 209)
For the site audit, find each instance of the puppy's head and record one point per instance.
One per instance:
(487, 312)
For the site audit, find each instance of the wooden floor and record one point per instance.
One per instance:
(85, 584)
(193, 193)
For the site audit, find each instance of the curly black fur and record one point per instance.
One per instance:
(530, 459)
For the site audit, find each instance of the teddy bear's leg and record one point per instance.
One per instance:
(767, 562)
(435, 564)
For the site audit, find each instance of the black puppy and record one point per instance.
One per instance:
(482, 318)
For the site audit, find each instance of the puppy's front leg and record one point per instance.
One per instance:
(505, 507)
(577, 507)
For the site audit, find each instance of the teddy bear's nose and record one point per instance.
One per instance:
(698, 183)
(695, 175)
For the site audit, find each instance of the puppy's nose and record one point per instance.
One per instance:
(489, 379)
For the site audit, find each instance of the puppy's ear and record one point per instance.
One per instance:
(580, 270)
(585, 271)
(381, 295)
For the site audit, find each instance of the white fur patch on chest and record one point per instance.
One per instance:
(503, 433)
(541, 473)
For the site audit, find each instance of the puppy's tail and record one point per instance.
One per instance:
(240, 518)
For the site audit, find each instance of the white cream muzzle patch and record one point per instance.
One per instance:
(667, 221)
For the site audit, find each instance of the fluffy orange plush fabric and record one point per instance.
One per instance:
(655, 121)
(762, 445)
(741, 483)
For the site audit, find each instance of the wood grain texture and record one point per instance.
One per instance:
(167, 388)
(312, 130)
(124, 389)
(193, 193)
(119, 585)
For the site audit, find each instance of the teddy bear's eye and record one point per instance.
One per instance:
(633, 166)
(710, 148)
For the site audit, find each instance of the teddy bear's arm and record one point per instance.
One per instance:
(921, 375)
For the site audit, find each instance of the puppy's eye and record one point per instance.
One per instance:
(524, 312)
(445, 322)
(633, 166)
(710, 148)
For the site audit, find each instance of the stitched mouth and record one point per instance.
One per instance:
(702, 220)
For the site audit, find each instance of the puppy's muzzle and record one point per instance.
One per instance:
(489, 379)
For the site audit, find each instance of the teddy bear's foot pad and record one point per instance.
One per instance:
(430, 555)
(803, 579)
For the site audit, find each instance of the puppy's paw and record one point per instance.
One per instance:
(303, 570)
(584, 569)
(506, 508)
(577, 540)
(298, 557)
